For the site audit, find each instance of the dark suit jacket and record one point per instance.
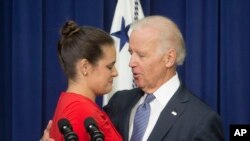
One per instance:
(193, 121)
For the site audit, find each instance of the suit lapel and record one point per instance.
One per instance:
(137, 95)
(169, 115)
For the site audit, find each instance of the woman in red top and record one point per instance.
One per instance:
(87, 56)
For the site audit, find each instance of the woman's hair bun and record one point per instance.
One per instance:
(69, 28)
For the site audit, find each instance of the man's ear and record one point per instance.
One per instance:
(170, 58)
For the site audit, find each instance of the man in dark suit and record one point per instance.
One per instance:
(174, 113)
(157, 47)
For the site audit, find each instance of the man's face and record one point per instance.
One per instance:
(147, 61)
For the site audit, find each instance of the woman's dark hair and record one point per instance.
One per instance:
(80, 43)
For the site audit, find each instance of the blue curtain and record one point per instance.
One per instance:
(216, 68)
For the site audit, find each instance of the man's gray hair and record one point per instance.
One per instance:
(169, 34)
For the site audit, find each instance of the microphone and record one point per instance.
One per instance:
(93, 130)
(66, 129)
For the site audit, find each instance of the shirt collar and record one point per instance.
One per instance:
(167, 90)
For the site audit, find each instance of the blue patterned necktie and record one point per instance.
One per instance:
(141, 118)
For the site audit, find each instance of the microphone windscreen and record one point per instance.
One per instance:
(62, 124)
(89, 121)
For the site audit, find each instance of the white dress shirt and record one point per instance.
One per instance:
(162, 96)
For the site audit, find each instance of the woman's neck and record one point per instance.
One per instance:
(80, 89)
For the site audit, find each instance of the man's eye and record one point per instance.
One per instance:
(141, 55)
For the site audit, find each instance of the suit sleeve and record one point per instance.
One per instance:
(111, 108)
(209, 128)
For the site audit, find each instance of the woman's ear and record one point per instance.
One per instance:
(84, 66)
(170, 58)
